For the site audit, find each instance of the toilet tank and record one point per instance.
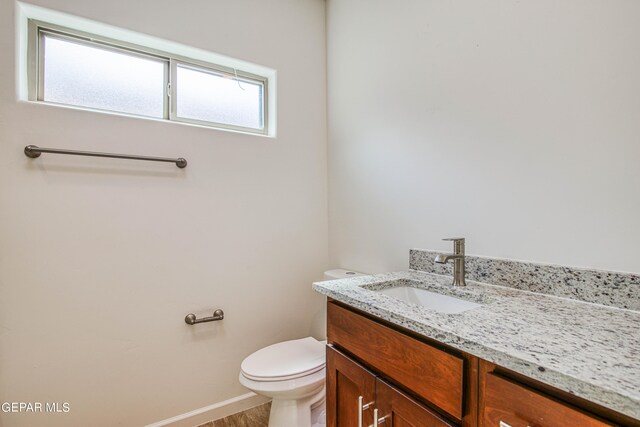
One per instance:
(319, 323)
(340, 273)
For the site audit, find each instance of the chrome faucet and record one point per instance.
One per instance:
(458, 260)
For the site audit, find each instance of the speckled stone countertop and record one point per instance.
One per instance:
(589, 350)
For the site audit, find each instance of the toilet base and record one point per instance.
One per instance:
(319, 414)
(287, 412)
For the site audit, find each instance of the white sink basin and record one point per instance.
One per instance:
(431, 300)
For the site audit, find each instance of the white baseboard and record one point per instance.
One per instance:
(213, 412)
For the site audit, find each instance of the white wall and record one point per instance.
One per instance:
(512, 123)
(100, 259)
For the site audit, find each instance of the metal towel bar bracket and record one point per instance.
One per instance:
(34, 151)
(190, 319)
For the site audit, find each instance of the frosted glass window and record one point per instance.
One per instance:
(94, 77)
(75, 68)
(209, 96)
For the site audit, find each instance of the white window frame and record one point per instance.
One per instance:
(35, 72)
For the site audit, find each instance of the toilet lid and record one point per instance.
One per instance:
(285, 360)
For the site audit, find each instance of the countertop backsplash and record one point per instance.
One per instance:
(609, 288)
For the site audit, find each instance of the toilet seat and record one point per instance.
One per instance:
(285, 361)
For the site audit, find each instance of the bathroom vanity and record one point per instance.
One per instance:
(514, 359)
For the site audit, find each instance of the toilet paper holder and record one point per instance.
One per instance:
(190, 319)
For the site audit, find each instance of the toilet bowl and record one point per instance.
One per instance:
(292, 373)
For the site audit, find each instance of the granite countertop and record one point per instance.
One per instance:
(589, 350)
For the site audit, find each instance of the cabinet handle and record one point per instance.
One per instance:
(503, 424)
(377, 420)
(361, 407)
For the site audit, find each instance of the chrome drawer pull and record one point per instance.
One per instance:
(377, 420)
(362, 407)
(503, 424)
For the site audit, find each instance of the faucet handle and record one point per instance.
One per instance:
(458, 244)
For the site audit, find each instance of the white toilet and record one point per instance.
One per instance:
(292, 373)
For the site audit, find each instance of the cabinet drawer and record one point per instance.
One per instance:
(430, 373)
(510, 404)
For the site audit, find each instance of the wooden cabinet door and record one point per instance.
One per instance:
(349, 385)
(396, 409)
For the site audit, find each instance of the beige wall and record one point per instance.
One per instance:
(100, 260)
(512, 123)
